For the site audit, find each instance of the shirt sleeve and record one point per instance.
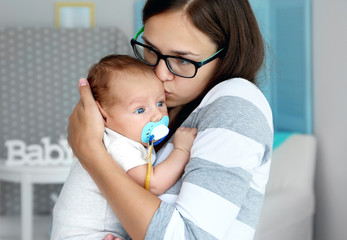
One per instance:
(126, 155)
(221, 192)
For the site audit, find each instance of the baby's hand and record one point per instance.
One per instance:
(184, 138)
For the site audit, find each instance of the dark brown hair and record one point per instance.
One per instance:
(231, 25)
(110, 67)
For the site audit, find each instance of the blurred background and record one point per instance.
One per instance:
(41, 61)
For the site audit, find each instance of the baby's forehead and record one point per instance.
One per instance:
(135, 76)
(126, 82)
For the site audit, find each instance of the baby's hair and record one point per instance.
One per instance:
(111, 67)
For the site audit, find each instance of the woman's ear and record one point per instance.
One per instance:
(102, 111)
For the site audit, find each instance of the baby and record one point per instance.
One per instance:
(131, 100)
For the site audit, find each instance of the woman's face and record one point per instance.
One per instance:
(171, 33)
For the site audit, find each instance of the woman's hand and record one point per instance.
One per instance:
(110, 237)
(86, 125)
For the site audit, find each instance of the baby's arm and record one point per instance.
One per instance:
(166, 173)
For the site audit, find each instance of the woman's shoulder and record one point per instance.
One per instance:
(237, 89)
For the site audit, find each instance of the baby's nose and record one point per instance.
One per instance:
(157, 116)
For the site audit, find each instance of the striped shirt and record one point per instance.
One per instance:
(221, 192)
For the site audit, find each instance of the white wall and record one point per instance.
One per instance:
(330, 117)
(41, 13)
(330, 91)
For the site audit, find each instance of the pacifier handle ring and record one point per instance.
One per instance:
(150, 140)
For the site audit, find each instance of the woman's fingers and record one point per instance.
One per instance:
(85, 92)
(86, 125)
(110, 237)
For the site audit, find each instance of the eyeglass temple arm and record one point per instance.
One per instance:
(139, 32)
(211, 58)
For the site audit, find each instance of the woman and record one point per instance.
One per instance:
(207, 53)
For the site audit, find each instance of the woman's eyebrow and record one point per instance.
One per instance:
(182, 53)
(148, 42)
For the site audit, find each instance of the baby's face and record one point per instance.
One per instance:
(141, 99)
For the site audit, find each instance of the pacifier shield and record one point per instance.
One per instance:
(158, 130)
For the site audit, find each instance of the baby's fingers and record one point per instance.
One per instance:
(192, 131)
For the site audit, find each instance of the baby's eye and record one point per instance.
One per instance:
(160, 104)
(140, 110)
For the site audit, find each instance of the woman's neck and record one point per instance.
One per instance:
(174, 111)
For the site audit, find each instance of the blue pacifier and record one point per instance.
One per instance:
(155, 131)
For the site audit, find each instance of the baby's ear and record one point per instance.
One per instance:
(102, 111)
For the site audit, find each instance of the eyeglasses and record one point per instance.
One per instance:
(179, 66)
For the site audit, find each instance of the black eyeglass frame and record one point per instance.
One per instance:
(197, 65)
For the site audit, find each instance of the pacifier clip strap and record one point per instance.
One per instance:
(149, 168)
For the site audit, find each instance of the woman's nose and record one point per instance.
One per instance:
(162, 72)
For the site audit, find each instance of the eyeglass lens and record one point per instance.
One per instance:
(176, 65)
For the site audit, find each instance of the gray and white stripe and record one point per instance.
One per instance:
(221, 192)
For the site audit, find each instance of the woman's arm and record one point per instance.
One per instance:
(133, 205)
